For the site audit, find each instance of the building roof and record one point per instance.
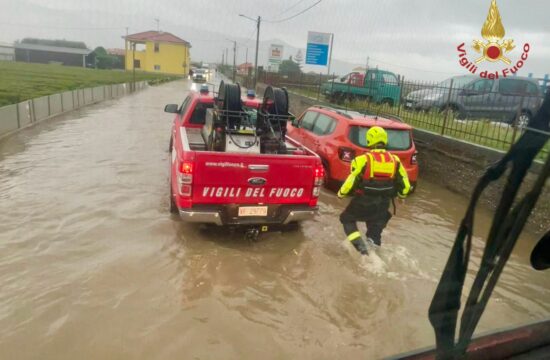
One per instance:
(246, 65)
(157, 36)
(117, 52)
(57, 49)
(6, 45)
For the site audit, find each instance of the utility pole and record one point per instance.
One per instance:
(234, 61)
(223, 58)
(257, 46)
(258, 22)
(246, 56)
(158, 24)
(226, 56)
(367, 66)
(330, 54)
(134, 66)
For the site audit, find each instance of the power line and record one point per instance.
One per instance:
(65, 28)
(295, 15)
(290, 8)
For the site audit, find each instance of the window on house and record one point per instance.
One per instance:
(157, 47)
(157, 67)
(137, 64)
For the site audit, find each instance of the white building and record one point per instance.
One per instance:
(7, 52)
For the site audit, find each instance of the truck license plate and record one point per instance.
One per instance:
(253, 211)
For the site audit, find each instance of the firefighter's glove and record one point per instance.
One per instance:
(340, 195)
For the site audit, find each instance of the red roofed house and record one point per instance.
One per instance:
(157, 51)
(243, 69)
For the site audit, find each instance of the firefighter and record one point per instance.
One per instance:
(376, 178)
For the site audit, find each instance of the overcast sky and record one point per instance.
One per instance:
(416, 38)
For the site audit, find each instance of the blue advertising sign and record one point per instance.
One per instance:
(317, 48)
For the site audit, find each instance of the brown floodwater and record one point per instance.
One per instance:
(93, 266)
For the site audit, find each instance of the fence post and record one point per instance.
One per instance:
(400, 95)
(319, 88)
(515, 122)
(332, 87)
(18, 115)
(447, 108)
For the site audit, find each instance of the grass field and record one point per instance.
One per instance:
(22, 81)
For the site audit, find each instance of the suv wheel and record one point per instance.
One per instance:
(388, 102)
(173, 207)
(453, 111)
(523, 120)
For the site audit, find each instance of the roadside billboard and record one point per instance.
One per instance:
(318, 45)
(275, 57)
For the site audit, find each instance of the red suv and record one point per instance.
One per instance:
(338, 136)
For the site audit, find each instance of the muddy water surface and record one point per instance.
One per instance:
(93, 266)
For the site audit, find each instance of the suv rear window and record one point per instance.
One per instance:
(397, 139)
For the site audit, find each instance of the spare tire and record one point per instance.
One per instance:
(229, 99)
(275, 101)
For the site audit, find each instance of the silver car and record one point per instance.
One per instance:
(437, 97)
(502, 100)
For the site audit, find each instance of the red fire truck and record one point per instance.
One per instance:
(232, 163)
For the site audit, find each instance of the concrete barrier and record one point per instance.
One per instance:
(98, 93)
(17, 116)
(24, 113)
(41, 108)
(56, 104)
(67, 99)
(88, 96)
(9, 117)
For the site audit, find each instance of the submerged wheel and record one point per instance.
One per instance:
(173, 207)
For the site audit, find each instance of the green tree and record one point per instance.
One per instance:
(289, 67)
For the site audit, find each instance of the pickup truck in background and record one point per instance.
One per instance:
(242, 181)
(378, 86)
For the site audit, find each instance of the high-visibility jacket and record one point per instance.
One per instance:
(377, 172)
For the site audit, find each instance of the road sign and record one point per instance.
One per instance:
(275, 54)
(318, 45)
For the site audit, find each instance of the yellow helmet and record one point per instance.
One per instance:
(376, 135)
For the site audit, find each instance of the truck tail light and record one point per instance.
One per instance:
(346, 154)
(319, 173)
(413, 158)
(185, 178)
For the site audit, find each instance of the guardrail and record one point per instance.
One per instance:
(17, 116)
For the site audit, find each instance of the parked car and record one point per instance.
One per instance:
(500, 100)
(338, 137)
(240, 185)
(437, 97)
(378, 86)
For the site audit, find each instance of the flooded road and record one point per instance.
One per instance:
(93, 266)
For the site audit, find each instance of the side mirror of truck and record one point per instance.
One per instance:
(171, 108)
(295, 122)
